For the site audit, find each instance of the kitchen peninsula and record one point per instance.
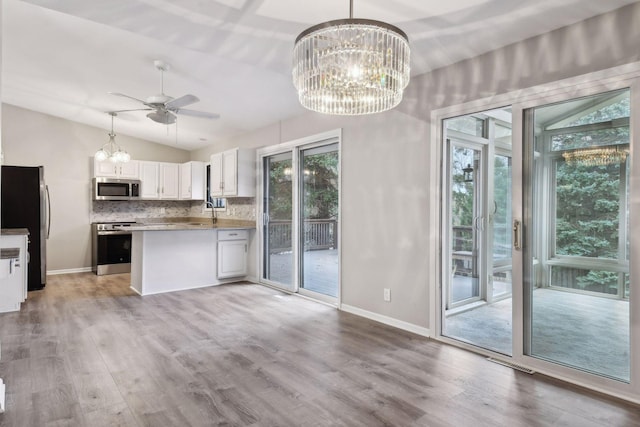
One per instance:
(175, 256)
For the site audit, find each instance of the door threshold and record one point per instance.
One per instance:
(463, 308)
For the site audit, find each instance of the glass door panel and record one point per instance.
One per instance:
(278, 208)
(477, 286)
(465, 219)
(319, 219)
(577, 304)
(501, 228)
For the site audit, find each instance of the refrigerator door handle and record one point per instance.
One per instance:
(48, 211)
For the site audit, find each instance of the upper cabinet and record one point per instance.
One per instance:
(192, 181)
(169, 180)
(159, 180)
(149, 180)
(233, 173)
(109, 169)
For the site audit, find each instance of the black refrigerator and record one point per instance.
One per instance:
(25, 203)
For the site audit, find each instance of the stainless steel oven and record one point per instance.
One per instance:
(111, 248)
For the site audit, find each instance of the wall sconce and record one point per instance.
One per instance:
(467, 173)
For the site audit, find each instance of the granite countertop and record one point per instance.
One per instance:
(9, 253)
(14, 232)
(162, 224)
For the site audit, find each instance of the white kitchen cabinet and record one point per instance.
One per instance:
(169, 180)
(192, 181)
(149, 180)
(232, 253)
(159, 180)
(233, 173)
(13, 273)
(109, 169)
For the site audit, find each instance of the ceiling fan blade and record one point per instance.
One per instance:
(137, 109)
(181, 102)
(127, 96)
(161, 116)
(194, 113)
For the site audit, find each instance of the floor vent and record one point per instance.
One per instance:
(512, 365)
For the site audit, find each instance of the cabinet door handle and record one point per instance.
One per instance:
(245, 248)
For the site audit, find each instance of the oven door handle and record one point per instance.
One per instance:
(112, 233)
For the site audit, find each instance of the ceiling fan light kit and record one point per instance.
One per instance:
(351, 66)
(112, 151)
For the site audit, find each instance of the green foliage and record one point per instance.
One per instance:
(280, 190)
(587, 207)
(320, 196)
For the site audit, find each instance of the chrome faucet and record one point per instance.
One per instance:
(214, 218)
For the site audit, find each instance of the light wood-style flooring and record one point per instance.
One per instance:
(86, 351)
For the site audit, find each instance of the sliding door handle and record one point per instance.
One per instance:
(517, 234)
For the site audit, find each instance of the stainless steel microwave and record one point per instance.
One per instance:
(116, 189)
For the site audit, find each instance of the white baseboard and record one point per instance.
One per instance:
(410, 327)
(69, 271)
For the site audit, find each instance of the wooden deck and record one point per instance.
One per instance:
(320, 272)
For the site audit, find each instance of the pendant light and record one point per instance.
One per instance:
(351, 66)
(112, 151)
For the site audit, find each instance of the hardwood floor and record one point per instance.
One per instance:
(86, 351)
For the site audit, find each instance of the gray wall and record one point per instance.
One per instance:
(66, 150)
(386, 157)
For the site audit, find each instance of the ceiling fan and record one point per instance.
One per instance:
(164, 108)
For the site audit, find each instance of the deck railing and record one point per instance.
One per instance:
(318, 234)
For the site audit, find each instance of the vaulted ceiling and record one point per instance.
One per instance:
(62, 57)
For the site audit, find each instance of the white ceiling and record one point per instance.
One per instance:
(61, 57)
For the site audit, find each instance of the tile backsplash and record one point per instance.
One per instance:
(111, 211)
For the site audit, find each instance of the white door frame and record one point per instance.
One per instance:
(626, 76)
(294, 147)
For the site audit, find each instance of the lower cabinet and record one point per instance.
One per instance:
(13, 272)
(232, 253)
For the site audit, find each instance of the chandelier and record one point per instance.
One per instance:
(111, 150)
(602, 156)
(351, 66)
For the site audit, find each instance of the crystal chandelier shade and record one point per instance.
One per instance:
(351, 66)
(112, 151)
(596, 156)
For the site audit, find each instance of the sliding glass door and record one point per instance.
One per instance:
(539, 229)
(300, 211)
(577, 303)
(319, 220)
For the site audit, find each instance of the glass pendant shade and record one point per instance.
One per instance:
(351, 66)
(112, 151)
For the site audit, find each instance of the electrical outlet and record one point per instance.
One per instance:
(387, 294)
(163, 210)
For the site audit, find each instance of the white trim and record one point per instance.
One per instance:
(400, 324)
(69, 271)
(289, 145)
